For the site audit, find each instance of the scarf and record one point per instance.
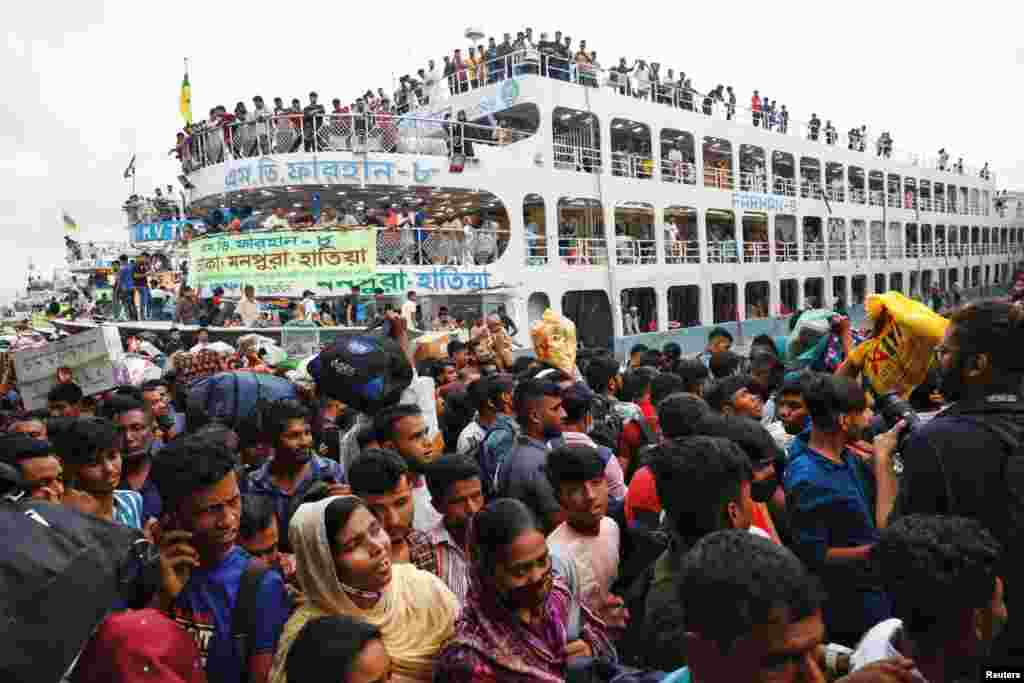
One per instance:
(416, 614)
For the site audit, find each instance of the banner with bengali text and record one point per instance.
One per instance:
(301, 259)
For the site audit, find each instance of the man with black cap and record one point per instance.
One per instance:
(312, 118)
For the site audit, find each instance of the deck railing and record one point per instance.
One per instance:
(678, 172)
(682, 251)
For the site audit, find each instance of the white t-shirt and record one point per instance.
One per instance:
(675, 154)
(471, 435)
(877, 645)
(309, 306)
(425, 515)
(409, 313)
(596, 556)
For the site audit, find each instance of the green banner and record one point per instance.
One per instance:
(300, 258)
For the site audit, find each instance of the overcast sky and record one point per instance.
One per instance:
(89, 83)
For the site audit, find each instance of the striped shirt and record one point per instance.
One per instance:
(453, 566)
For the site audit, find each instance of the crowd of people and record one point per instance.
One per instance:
(723, 517)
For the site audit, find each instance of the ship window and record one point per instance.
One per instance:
(974, 203)
(860, 286)
(925, 195)
(634, 234)
(837, 239)
(926, 241)
(577, 140)
(785, 238)
(892, 190)
(535, 230)
(784, 174)
(876, 188)
(951, 198)
(631, 149)
(789, 291)
(877, 240)
(926, 282)
(858, 239)
(943, 275)
(810, 177)
(975, 276)
(639, 310)
(894, 239)
(914, 282)
(681, 241)
(814, 242)
(940, 197)
(839, 293)
(678, 157)
(880, 283)
(896, 282)
(581, 232)
(988, 275)
(753, 171)
(911, 239)
(535, 307)
(684, 306)
(721, 227)
(954, 276)
(834, 182)
(814, 292)
(985, 202)
(592, 313)
(757, 300)
(964, 204)
(855, 174)
(723, 301)
(718, 163)
(755, 238)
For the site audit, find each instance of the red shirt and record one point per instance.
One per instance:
(755, 103)
(642, 494)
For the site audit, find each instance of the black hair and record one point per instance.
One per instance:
(724, 363)
(257, 514)
(277, 414)
(376, 472)
(521, 365)
(328, 644)
(600, 372)
(447, 470)
(696, 478)
(119, 404)
(754, 440)
(672, 350)
(664, 384)
(577, 404)
(439, 367)
(66, 392)
(336, 516)
(829, 396)
(530, 391)
(732, 580)
(573, 464)
(794, 384)
(639, 348)
(40, 415)
(17, 447)
(721, 392)
(497, 526)
(763, 360)
(385, 422)
(717, 332)
(678, 413)
(151, 384)
(455, 346)
(992, 327)
(80, 440)
(187, 465)
(766, 342)
(635, 384)
(693, 373)
(219, 432)
(923, 557)
(458, 413)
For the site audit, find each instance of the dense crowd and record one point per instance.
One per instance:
(449, 510)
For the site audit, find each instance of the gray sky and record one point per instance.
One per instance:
(89, 83)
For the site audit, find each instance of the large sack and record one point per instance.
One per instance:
(897, 357)
(365, 371)
(232, 397)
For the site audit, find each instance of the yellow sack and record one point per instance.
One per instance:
(897, 359)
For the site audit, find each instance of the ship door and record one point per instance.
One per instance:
(592, 313)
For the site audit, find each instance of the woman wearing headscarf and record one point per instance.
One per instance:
(513, 626)
(343, 558)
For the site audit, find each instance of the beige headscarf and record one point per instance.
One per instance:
(416, 614)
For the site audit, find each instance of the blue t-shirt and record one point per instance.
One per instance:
(125, 276)
(128, 509)
(320, 469)
(204, 609)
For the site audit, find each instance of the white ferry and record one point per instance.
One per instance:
(645, 219)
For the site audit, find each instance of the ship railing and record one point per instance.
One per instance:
(437, 245)
(682, 251)
(924, 203)
(940, 250)
(722, 251)
(927, 250)
(787, 251)
(858, 250)
(810, 188)
(895, 251)
(975, 209)
(753, 181)
(857, 195)
(536, 250)
(630, 251)
(785, 186)
(572, 157)
(835, 193)
(876, 198)
(912, 250)
(583, 251)
(814, 251)
(878, 251)
(335, 132)
(756, 252)
(893, 200)
(632, 165)
(678, 172)
(720, 178)
(837, 251)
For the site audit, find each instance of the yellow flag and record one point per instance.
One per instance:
(185, 105)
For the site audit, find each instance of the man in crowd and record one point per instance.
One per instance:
(577, 401)
(719, 339)
(202, 566)
(38, 464)
(456, 491)
(733, 396)
(403, 429)
(31, 424)
(135, 420)
(790, 408)
(492, 398)
(64, 400)
(382, 479)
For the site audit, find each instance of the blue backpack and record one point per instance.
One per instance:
(232, 397)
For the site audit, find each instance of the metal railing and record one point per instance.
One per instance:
(756, 252)
(912, 250)
(810, 188)
(678, 172)
(438, 245)
(895, 251)
(536, 251)
(577, 158)
(876, 198)
(893, 201)
(837, 251)
(878, 251)
(682, 251)
(632, 165)
(835, 193)
(723, 251)
(814, 251)
(785, 186)
(751, 181)
(583, 251)
(857, 196)
(787, 251)
(719, 178)
(858, 250)
(927, 250)
(629, 251)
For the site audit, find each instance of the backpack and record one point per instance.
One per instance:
(233, 397)
(244, 615)
(609, 423)
(490, 457)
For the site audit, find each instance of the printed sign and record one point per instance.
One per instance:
(756, 201)
(443, 280)
(298, 258)
(91, 356)
(164, 231)
(322, 170)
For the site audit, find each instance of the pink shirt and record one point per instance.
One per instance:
(596, 556)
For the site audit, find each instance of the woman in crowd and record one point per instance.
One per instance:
(514, 623)
(343, 559)
(346, 647)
